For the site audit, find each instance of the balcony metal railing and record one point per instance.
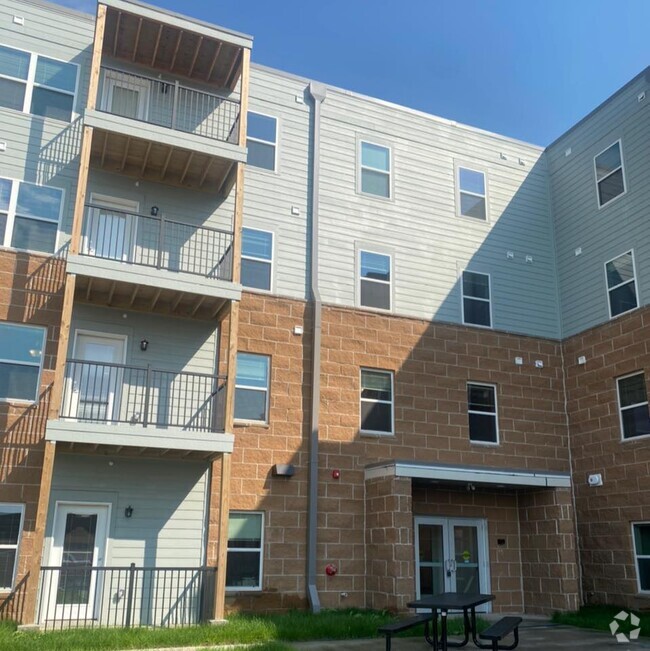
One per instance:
(157, 242)
(77, 595)
(105, 393)
(169, 104)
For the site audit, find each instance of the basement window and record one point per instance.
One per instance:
(621, 284)
(610, 177)
(22, 350)
(11, 524)
(245, 545)
(633, 406)
(376, 401)
(482, 412)
(476, 299)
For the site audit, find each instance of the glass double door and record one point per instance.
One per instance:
(451, 555)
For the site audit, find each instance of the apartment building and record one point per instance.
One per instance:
(393, 361)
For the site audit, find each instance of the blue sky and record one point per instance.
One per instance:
(524, 68)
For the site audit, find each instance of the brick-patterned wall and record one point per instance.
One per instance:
(499, 507)
(605, 513)
(548, 551)
(31, 292)
(389, 544)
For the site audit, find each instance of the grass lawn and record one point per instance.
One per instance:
(268, 632)
(599, 617)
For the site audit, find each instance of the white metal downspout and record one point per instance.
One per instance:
(317, 92)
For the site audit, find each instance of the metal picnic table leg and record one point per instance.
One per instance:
(433, 638)
(467, 629)
(480, 645)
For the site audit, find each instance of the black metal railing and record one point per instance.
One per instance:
(169, 104)
(115, 393)
(74, 595)
(157, 242)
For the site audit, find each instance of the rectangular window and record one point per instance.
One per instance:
(375, 170)
(610, 177)
(476, 299)
(261, 140)
(11, 524)
(252, 387)
(374, 280)
(29, 215)
(482, 411)
(472, 195)
(256, 258)
(642, 554)
(376, 401)
(621, 284)
(245, 544)
(21, 356)
(633, 406)
(36, 84)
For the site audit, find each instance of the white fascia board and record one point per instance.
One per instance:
(470, 475)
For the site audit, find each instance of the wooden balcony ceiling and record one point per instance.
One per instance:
(172, 49)
(131, 296)
(161, 163)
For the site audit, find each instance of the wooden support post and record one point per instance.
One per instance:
(222, 539)
(30, 613)
(95, 67)
(232, 366)
(243, 95)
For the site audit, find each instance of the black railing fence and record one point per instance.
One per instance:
(95, 597)
(169, 104)
(157, 242)
(115, 393)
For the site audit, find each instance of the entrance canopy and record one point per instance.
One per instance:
(477, 475)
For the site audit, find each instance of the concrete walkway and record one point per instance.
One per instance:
(533, 636)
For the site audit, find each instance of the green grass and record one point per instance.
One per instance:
(270, 633)
(599, 617)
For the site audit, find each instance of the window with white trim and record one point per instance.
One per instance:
(621, 284)
(374, 280)
(36, 84)
(245, 545)
(22, 350)
(476, 298)
(261, 140)
(375, 169)
(29, 215)
(482, 413)
(11, 525)
(472, 193)
(376, 401)
(256, 258)
(642, 554)
(633, 406)
(252, 387)
(610, 175)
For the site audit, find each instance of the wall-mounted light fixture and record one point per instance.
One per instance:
(144, 344)
(154, 211)
(128, 511)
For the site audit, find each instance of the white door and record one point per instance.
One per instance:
(126, 95)
(96, 377)
(109, 229)
(451, 555)
(78, 544)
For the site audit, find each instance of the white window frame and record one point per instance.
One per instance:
(618, 142)
(275, 143)
(257, 588)
(31, 83)
(390, 402)
(270, 262)
(485, 413)
(476, 298)
(249, 388)
(459, 191)
(609, 289)
(17, 508)
(621, 408)
(20, 401)
(377, 251)
(637, 556)
(11, 216)
(361, 167)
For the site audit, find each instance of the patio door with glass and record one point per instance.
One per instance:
(78, 545)
(95, 377)
(109, 228)
(451, 555)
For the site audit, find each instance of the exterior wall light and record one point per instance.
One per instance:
(154, 211)
(144, 344)
(128, 511)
